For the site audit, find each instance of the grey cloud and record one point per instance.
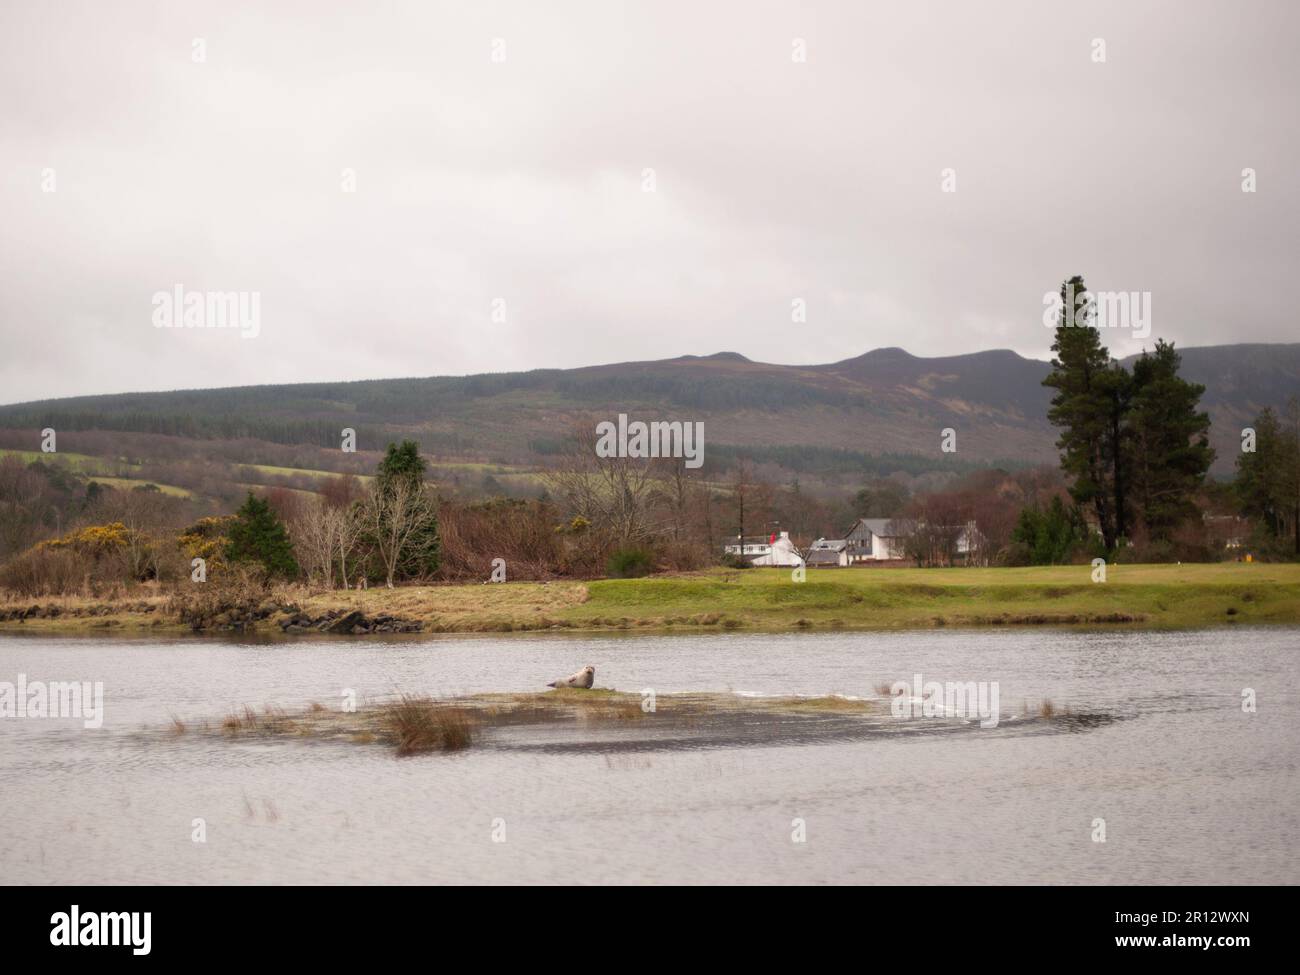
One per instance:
(522, 181)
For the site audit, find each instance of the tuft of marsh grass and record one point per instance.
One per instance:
(1048, 710)
(421, 725)
(271, 721)
(234, 722)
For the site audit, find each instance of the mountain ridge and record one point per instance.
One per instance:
(884, 401)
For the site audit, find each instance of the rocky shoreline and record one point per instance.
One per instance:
(289, 618)
(353, 622)
(52, 612)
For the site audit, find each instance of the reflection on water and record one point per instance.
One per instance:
(729, 731)
(1192, 788)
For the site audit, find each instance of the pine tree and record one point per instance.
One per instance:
(1268, 479)
(1259, 473)
(1168, 441)
(1088, 407)
(402, 462)
(257, 535)
(1115, 391)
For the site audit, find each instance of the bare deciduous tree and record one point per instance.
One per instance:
(612, 493)
(347, 535)
(394, 519)
(313, 533)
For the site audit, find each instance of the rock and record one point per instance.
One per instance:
(297, 622)
(347, 623)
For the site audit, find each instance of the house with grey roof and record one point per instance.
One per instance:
(828, 552)
(874, 540)
(877, 540)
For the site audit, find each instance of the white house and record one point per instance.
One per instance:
(970, 540)
(766, 550)
(782, 552)
(750, 546)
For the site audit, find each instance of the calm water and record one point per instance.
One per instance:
(1192, 790)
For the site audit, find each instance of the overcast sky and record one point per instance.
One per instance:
(523, 180)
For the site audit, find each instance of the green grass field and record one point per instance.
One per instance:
(93, 468)
(1136, 595)
(82, 463)
(291, 471)
(127, 484)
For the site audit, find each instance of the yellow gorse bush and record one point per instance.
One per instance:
(206, 539)
(93, 539)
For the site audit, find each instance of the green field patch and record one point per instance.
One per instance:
(82, 463)
(129, 484)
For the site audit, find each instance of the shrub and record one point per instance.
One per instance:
(683, 556)
(1047, 536)
(630, 563)
(206, 539)
(521, 532)
(1015, 554)
(93, 540)
(1264, 546)
(86, 560)
(44, 571)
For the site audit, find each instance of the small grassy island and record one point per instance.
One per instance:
(605, 719)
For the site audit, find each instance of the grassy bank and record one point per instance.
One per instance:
(1134, 596)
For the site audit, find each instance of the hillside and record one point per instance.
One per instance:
(878, 412)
